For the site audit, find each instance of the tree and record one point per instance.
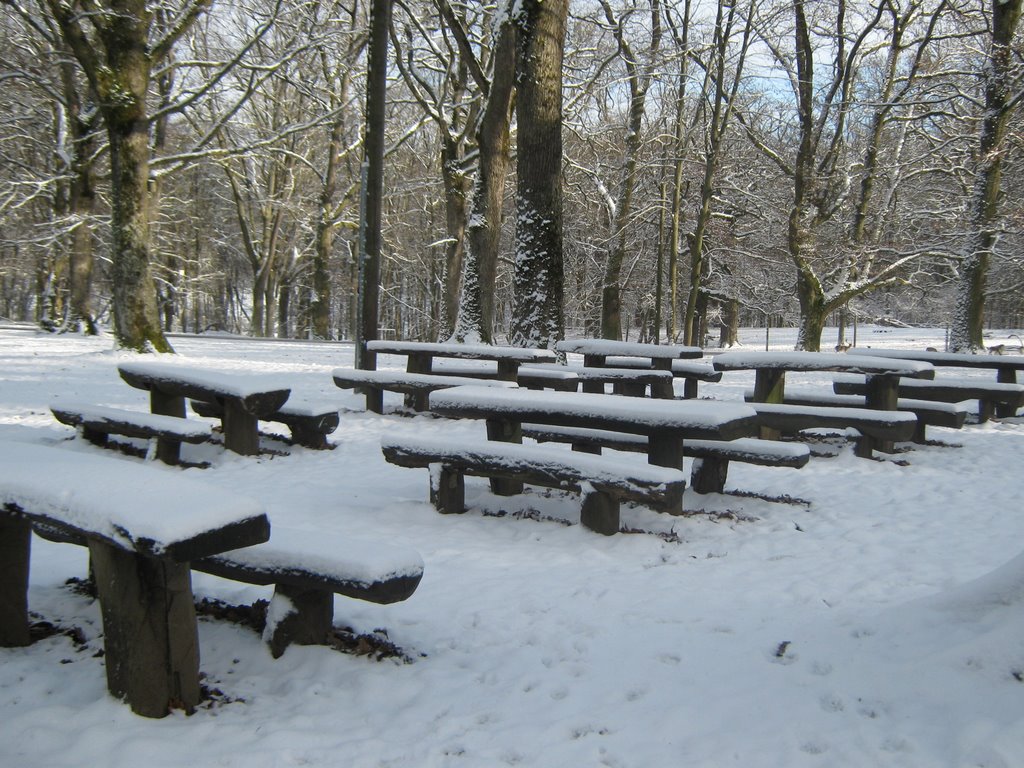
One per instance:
(1001, 99)
(114, 43)
(538, 282)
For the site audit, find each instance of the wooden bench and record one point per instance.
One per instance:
(875, 426)
(415, 386)
(603, 482)
(934, 414)
(96, 423)
(307, 571)
(243, 399)
(711, 466)
(1008, 398)
(143, 526)
(309, 424)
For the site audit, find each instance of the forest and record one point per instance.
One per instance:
(201, 166)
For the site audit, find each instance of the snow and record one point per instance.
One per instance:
(126, 502)
(626, 348)
(473, 351)
(228, 384)
(850, 613)
(819, 361)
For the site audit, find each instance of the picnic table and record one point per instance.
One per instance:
(883, 376)
(420, 355)
(243, 400)
(597, 351)
(665, 423)
(1005, 366)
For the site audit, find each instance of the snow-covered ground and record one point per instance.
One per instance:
(850, 613)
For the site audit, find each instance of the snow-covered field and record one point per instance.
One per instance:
(851, 613)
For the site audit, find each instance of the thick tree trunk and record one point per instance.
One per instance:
(966, 333)
(538, 283)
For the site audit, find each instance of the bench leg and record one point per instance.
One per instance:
(986, 408)
(418, 401)
(865, 445)
(690, 389)
(308, 618)
(448, 490)
(95, 437)
(1006, 376)
(374, 399)
(149, 622)
(663, 390)
(600, 513)
(708, 475)
(665, 451)
(15, 549)
(308, 436)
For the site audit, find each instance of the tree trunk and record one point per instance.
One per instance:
(966, 333)
(483, 230)
(538, 282)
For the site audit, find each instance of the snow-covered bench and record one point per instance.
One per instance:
(875, 426)
(603, 482)
(307, 571)
(97, 423)
(599, 353)
(143, 526)
(929, 413)
(415, 386)
(711, 466)
(1008, 398)
(309, 423)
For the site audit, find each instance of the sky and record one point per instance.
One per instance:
(850, 613)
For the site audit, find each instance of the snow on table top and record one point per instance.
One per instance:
(424, 379)
(465, 351)
(595, 468)
(226, 384)
(628, 413)
(627, 348)
(856, 401)
(363, 560)
(961, 359)
(123, 501)
(947, 382)
(821, 361)
(144, 419)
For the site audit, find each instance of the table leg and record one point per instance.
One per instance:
(505, 431)
(1006, 375)
(770, 387)
(241, 429)
(664, 390)
(15, 549)
(667, 451)
(881, 394)
(167, 449)
(508, 370)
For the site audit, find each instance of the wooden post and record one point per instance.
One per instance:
(1006, 375)
(881, 393)
(308, 623)
(149, 622)
(507, 432)
(167, 449)
(770, 387)
(241, 429)
(666, 450)
(15, 550)
(662, 389)
(708, 475)
(448, 491)
(600, 513)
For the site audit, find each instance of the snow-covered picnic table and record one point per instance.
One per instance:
(420, 355)
(883, 376)
(665, 423)
(660, 356)
(242, 399)
(1005, 366)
